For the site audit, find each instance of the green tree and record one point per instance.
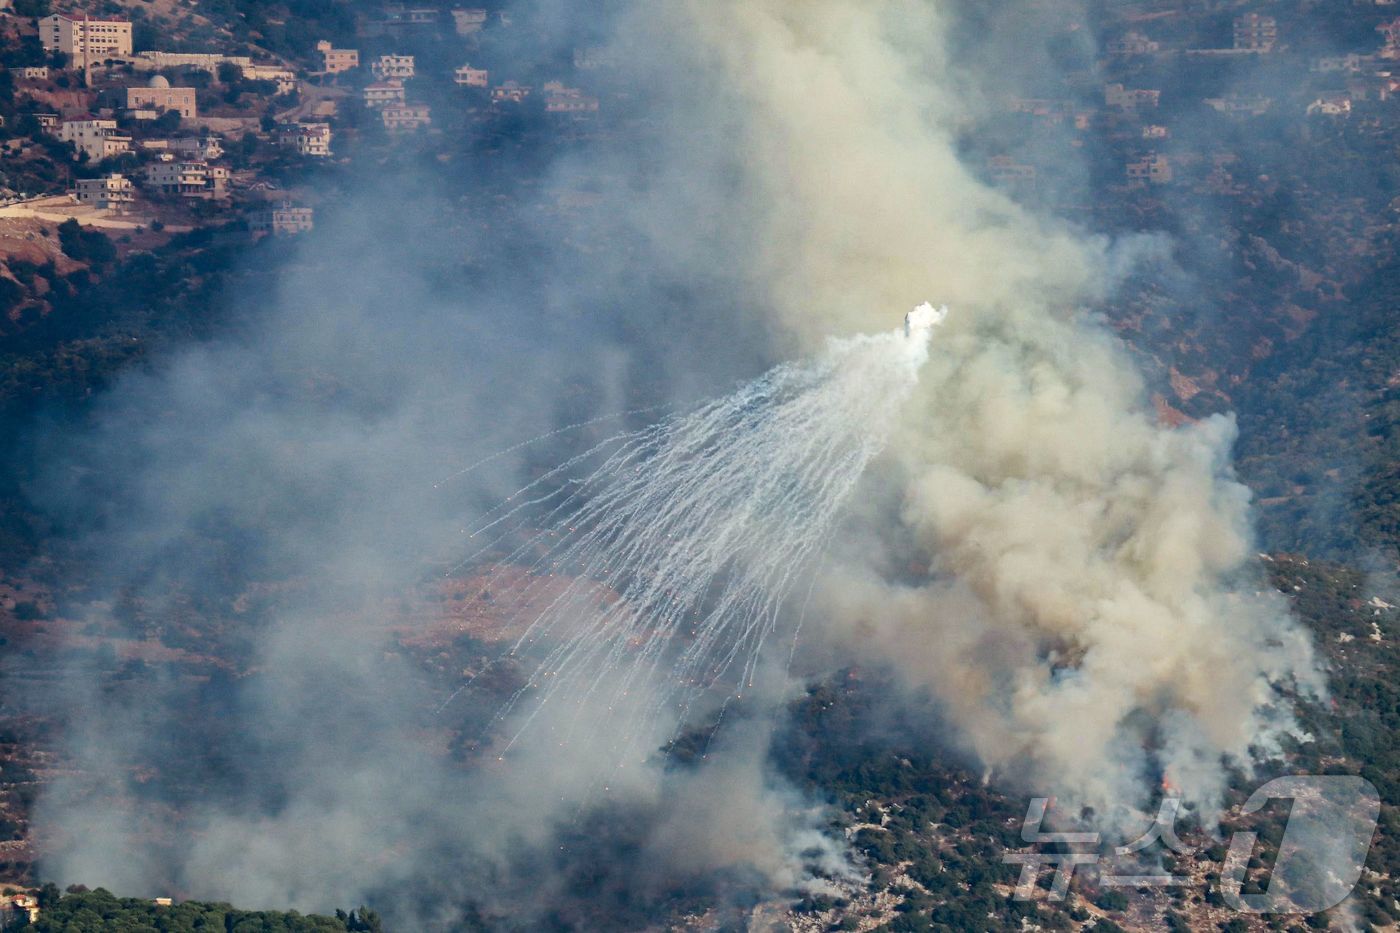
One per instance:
(49, 895)
(70, 239)
(91, 246)
(32, 8)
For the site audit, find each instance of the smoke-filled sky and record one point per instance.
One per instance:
(1091, 594)
(790, 171)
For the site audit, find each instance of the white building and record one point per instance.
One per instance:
(467, 76)
(85, 40)
(1152, 168)
(397, 17)
(1255, 33)
(98, 138)
(590, 57)
(189, 179)
(282, 219)
(191, 148)
(14, 907)
(111, 192)
(399, 67)
(1133, 43)
(410, 117)
(467, 22)
(1240, 105)
(1116, 95)
(1005, 170)
(561, 99)
(384, 94)
(1331, 64)
(307, 139)
(510, 92)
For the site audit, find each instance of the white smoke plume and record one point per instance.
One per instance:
(668, 562)
(1090, 617)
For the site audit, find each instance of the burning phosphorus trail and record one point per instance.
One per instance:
(656, 565)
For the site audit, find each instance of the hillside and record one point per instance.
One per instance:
(1256, 271)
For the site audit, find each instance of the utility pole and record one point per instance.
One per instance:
(83, 46)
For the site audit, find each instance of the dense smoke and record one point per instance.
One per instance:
(1088, 620)
(279, 499)
(1091, 618)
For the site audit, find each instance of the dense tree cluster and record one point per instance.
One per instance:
(99, 911)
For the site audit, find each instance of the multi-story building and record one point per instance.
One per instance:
(1116, 95)
(1331, 64)
(283, 219)
(334, 61)
(1240, 105)
(194, 148)
(1390, 33)
(570, 103)
(410, 117)
(110, 192)
(384, 94)
(1005, 170)
(202, 149)
(85, 40)
(314, 140)
(308, 139)
(98, 138)
(399, 16)
(191, 179)
(561, 99)
(399, 67)
(1151, 168)
(1255, 32)
(509, 92)
(17, 907)
(1133, 43)
(587, 58)
(1053, 109)
(467, 22)
(158, 95)
(467, 76)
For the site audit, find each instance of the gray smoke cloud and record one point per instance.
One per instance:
(781, 173)
(1091, 617)
(281, 498)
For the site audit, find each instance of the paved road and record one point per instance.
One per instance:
(61, 207)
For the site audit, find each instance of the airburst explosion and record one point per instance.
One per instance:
(682, 543)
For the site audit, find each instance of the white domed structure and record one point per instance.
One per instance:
(158, 81)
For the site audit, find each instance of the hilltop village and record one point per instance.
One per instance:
(140, 121)
(111, 122)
